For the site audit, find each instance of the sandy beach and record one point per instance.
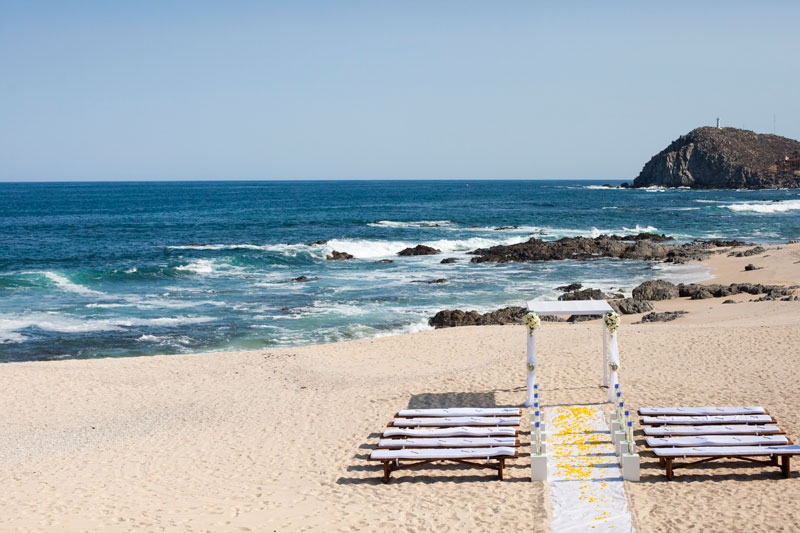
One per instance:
(276, 440)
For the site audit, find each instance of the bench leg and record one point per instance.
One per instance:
(661, 462)
(774, 460)
(386, 471)
(785, 468)
(669, 468)
(500, 470)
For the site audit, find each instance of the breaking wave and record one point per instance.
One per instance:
(765, 207)
(412, 224)
(12, 324)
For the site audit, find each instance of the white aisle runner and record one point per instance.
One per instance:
(586, 488)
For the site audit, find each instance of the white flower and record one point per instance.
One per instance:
(533, 321)
(612, 321)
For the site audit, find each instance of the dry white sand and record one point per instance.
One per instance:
(276, 440)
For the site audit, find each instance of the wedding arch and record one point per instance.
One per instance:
(609, 327)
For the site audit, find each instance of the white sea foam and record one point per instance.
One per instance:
(207, 267)
(603, 188)
(199, 266)
(765, 207)
(65, 284)
(153, 303)
(222, 247)
(412, 224)
(373, 249)
(11, 324)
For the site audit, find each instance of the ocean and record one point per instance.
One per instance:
(126, 269)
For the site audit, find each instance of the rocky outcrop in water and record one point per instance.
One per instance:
(644, 246)
(724, 158)
(305, 278)
(419, 249)
(339, 256)
(448, 260)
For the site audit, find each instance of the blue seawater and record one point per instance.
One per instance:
(122, 269)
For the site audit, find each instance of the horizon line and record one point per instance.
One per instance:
(301, 180)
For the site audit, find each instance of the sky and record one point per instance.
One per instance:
(382, 89)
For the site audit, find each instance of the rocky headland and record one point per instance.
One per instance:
(644, 246)
(724, 158)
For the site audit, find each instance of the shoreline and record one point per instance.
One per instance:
(277, 438)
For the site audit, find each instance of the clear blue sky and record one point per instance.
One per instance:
(312, 90)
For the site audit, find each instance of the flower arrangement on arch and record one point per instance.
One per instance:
(612, 321)
(532, 320)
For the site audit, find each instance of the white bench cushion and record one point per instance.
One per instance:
(718, 440)
(699, 411)
(462, 411)
(723, 419)
(448, 442)
(723, 451)
(718, 430)
(446, 453)
(457, 421)
(462, 431)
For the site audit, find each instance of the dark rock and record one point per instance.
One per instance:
(583, 318)
(730, 302)
(585, 294)
(448, 260)
(431, 281)
(656, 290)
(551, 318)
(305, 278)
(773, 295)
(662, 317)
(569, 288)
(338, 256)
(747, 253)
(385, 261)
(721, 291)
(454, 318)
(625, 185)
(419, 249)
(501, 228)
(645, 246)
(723, 158)
(630, 306)
(317, 243)
(702, 294)
(751, 266)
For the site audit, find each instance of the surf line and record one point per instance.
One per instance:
(587, 492)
